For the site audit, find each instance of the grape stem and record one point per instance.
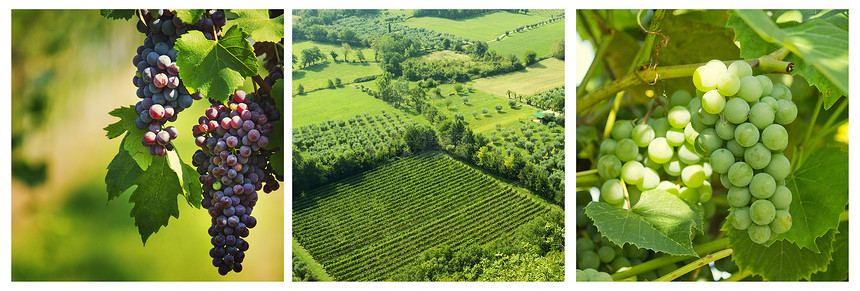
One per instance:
(654, 264)
(586, 172)
(738, 276)
(263, 85)
(696, 265)
(598, 60)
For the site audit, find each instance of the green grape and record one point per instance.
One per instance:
(707, 118)
(650, 163)
(708, 170)
(690, 134)
(620, 262)
(762, 186)
(781, 198)
(786, 111)
(687, 155)
(673, 167)
(626, 150)
(609, 166)
(766, 85)
(600, 277)
(693, 176)
(705, 192)
(649, 181)
(607, 147)
(781, 222)
(740, 174)
(642, 134)
(606, 254)
(724, 180)
(581, 276)
(759, 233)
(669, 187)
(660, 151)
(680, 98)
(746, 134)
(725, 129)
(775, 137)
(634, 193)
(622, 129)
(713, 102)
(781, 92)
(588, 260)
(697, 123)
(741, 218)
(689, 194)
(584, 244)
(750, 89)
(612, 191)
(738, 196)
(678, 117)
(631, 172)
(718, 66)
(705, 78)
(675, 136)
(729, 84)
(708, 141)
(721, 160)
(778, 167)
(770, 101)
(660, 126)
(761, 115)
(659, 110)
(762, 212)
(694, 105)
(740, 69)
(757, 156)
(736, 149)
(737, 110)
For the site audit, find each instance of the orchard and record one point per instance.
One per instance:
(712, 145)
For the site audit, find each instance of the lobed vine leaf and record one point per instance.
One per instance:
(126, 115)
(155, 198)
(820, 193)
(819, 44)
(215, 68)
(838, 268)
(660, 221)
(190, 16)
(122, 173)
(139, 152)
(114, 14)
(190, 183)
(781, 261)
(259, 25)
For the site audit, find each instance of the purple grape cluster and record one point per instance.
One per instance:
(233, 166)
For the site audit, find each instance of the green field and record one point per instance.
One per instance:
(341, 103)
(325, 47)
(366, 227)
(484, 27)
(543, 75)
(477, 100)
(538, 39)
(317, 76)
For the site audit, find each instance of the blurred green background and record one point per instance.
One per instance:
(69, 69)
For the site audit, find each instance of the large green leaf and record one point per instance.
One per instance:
(781, 261)
(126, 115)
(155, 198)
(838, 268)
(660, 221)
(215, 68)
(190, 183)
(190, 16)
(134, 145)
(819, 45)
(820, 193)
(124, 14)
(259, 25)
(122, 173)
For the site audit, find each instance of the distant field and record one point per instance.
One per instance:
(340, 103)
(544, 75)
(539, 40)
(445, 55)
(367, 227)
(485, 27)
(298, 46)
(317, 76)
(478, 100)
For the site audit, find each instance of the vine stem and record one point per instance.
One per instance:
(265, 86)
(739, 276)
(696, 265)
(598, 59)
(654, 264)
(586, 172)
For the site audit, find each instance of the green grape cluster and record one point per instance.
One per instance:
(592, 275)
(744, 143)
(658, 153)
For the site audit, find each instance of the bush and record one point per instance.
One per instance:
(337, 82)
(301, 89)
(330, 84)
(484, 111)
(499, 107)
(512, 103)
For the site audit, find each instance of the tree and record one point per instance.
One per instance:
(465, 100)
(499, 107)
(337, 82)
(475, 114)
(301, 89)
(512, 103)
(438, 92)
(557, 50)
(458, 88)
(484, 111)
(346, 49)
(332, 36)
(333, 55)
(295, 59)
(360, 54)
(330, 84)
(529, 57)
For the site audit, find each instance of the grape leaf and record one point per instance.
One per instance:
(819, 191)
(660, 221)
(127, 116)
(155, 198)
(215, 68)
(190, 183)
(122, 173)
(259, 25)
(134, 145)
(190, 16)
(276, 138)
(781, 261)
(124, 14)
(819, 46)
(838, 268)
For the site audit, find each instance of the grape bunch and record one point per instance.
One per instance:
(592, 275)
(233, 165)
(745, 144)
(163, 94)
(658, 153)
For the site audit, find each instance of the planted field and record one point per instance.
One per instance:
(330, 104)
(478, 100)
(299, 45)
(541, 76)
(483, 28)
(538, 39)
(317, 76)
(368, 226)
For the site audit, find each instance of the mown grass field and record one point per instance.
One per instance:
(477, 100)
(538, 39)
(484, 27)
(541, 76)
(367, 227)
(317, 76)
(341, 103)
